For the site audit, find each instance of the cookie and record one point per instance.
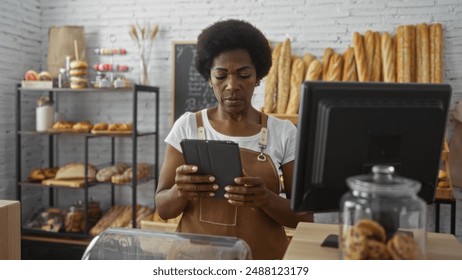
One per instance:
(372, 229)
(354, 244)
(377, 250)
(402, 246)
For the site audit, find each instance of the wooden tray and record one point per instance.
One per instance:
(110, 132)
(69, 130)
(75, 183)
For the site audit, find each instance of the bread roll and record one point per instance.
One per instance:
(388, 58)
(335, 69)
(369, 47)
(422, 54)
(100, 126)
(83, 126)
(349, 66)
(436, 53)
(376, 70)
(296, 79)
(360, 57)
(314, 71)
(325, 62)
(405, 59)
(105, 174)
(284, 68)
(271, 84)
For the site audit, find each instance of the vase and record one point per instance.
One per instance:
(144, 77)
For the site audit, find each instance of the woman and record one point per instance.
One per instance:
(233, 56)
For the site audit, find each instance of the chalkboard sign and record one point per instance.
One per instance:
(191, 92)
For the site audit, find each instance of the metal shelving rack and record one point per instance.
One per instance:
(19, 133)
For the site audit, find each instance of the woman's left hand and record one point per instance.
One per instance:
(250, 192)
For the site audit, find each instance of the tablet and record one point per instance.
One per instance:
(213, 157)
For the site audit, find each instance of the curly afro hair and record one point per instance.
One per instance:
(230, 35)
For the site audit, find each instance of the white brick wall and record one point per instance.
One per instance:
(311, 24)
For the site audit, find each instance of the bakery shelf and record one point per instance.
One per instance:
(40, 232)
(135, 90)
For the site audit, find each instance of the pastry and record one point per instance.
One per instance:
(142, 172)
(63, 125)
(36, 174)
(377, 250)
(349, 66)
(354, 244)
(84, 126)
(284, 65)
(372, 229)
(100, 126)
(388, 58)
(360, 57)
(119, 127)
(436, 53)
(271, 84)
(75, 171)
(298, 72)
(105, 174)
(403, 247)
(50, 172)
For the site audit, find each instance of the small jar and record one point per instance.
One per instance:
(94, 212)
(75, 218)
(63, 81)
(382, 217)
(45, 114)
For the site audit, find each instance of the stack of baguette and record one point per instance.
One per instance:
(414, 54)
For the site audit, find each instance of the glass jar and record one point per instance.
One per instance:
(382, 217)
(45, 114)
(94, 212)
(63, 79)
(75, 218)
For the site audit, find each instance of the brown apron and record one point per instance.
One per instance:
(266, 237)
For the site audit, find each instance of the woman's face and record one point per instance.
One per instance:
(233, 78)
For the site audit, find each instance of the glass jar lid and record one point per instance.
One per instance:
(383, 180)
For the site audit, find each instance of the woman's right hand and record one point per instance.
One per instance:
(191, 185)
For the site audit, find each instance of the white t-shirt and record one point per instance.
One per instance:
(280, 141)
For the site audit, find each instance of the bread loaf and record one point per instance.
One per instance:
(369, 47)
(83, 126)
(388, 58)
(142, 171)
(349, 66)
(422, 54)
(405, 58)
(436, 53)
(271, 84)
(376, 70)
(314, 71)
(325, 62)
(296, 79)
(76, 171)
(335, 69)
(360, 57)
(100, 126)
(284, 68)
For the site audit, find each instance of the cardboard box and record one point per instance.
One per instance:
(10, 230)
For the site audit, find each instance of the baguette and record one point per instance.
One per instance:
(335, 69)
(325, 62)
(369, 47)
(376, 70)
(388, 58)
(296, 79)
(314, 71)
(436, 53)
(422, 54)
(360, 57)
(349, 66)
(403, 54)
(284, 76)
(307, 58)
(271, 85)
(412, 53)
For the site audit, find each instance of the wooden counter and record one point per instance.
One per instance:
(307, 239)
(10, 230)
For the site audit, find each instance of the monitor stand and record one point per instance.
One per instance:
(330, 241)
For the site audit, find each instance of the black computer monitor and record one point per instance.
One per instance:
(346, 128)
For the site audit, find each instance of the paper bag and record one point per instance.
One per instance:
(61, 44)
(455, 149)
